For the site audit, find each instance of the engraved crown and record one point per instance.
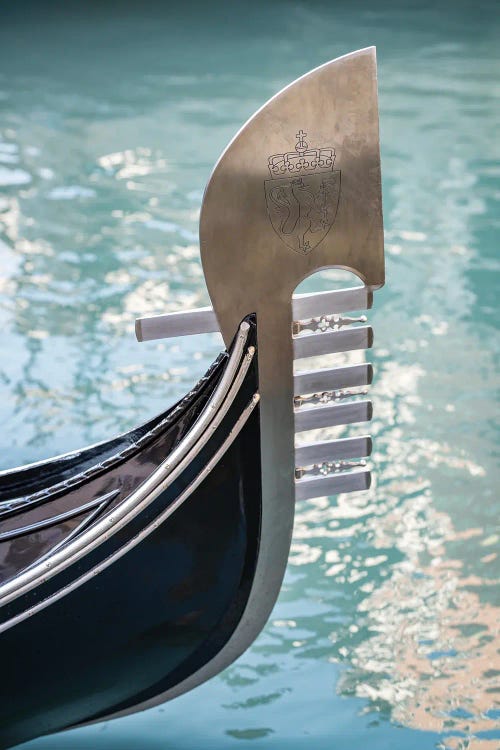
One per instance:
(303, 160)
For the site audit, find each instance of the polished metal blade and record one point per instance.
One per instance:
(333, 484)
(315, 144)
(332, 415)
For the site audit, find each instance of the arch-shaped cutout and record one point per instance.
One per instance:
(327, 280)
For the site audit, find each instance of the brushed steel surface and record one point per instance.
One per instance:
(333, 450)
(327, 303)
(183, 323)
(329, 342)
(253, 261)
(350, 481)
(331, 379)
(332, 415)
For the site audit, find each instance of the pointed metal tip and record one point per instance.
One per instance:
(369, 373)
(369, 411)
(370, 338)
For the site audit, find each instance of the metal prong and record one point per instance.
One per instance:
(184, 323)
(330, 379)
(332, 415)
(314, 344)
(333, 450)
(327, 303)
(334, 484)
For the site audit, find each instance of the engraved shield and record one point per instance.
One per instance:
(302, 209)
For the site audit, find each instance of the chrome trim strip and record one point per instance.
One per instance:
(203, 319)
(332, 415)
(242, 419)
(216, 407)
(53, 520)
(83, 525)
(334, 484)
(333, 450)
(332, 379)
(329, 342)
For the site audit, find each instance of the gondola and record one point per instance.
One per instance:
(135, 569)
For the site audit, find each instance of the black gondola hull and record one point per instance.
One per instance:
(132, 619)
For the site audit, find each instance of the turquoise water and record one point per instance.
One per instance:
(111, 119)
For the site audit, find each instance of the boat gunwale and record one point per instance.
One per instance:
(147, 432)
(211, 416)
(146, 530)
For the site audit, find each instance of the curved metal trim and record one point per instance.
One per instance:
(53, 520)
(16, 505)
(242, 419)
(207, 422)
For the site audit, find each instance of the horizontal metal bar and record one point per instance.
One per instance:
(326, 303)
(184, 323)
(332, 415)
(333, 450)
(333, 484)
(330, 342)
(203, 319)
(333, 378)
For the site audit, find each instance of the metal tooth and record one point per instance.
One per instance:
(324, 323)
(333, 484)
(339, 301)
(332, 415)
(332, 379)
(183, 323)
(333, 450)
(326, 468)
(326, 397)
(314, 344)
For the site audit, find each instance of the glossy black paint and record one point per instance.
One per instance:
(36, 483)
(154, 616)
(69, 483)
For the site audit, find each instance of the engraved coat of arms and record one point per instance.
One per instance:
(303, 195)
